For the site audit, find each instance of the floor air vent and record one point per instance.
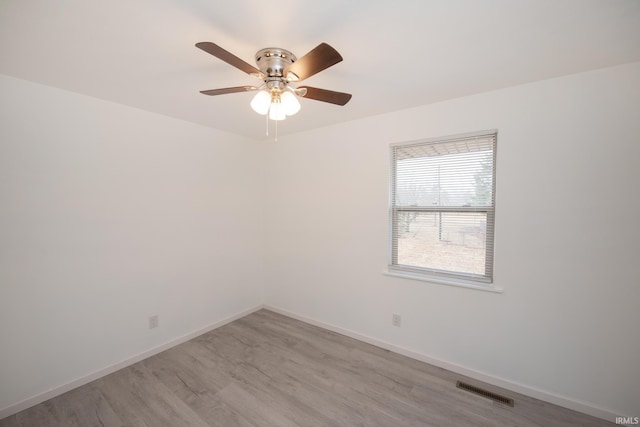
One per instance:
(485, 393)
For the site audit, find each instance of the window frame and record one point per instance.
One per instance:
(483, 282)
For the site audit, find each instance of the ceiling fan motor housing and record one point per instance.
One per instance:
(272, 61)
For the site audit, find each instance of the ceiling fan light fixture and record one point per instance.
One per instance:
(261, 102)
(290, 103)
(276, 111)
(278, 67)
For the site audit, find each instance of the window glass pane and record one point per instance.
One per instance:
(449, 241)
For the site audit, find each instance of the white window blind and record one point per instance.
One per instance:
(442, 207)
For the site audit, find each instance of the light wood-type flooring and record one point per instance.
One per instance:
(270, 370)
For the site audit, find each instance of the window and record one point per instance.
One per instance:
(442, 209)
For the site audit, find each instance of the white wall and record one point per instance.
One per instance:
(109, 215)
(567, 237)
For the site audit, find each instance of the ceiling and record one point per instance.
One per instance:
(396, 54)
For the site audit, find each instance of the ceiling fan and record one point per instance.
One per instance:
(277, 68)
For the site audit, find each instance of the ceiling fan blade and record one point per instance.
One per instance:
(228, 90)
(229, 58)
(324, 95)
(321, 57)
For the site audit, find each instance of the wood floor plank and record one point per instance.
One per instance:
(258, 412)
(139, 396)
(256, 372)
(271, 370)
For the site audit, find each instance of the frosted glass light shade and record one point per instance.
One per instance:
(290, 103)
(276, 112)
(261, 102)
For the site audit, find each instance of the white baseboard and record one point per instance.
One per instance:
(566, 402)
(56, 391)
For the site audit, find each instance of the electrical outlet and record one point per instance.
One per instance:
(153, 322)
(396, 320)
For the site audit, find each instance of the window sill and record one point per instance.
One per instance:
(443, 281)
